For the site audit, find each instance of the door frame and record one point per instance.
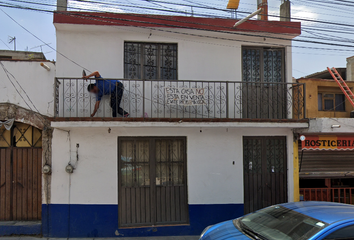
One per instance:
(251, 106)
(152, 162)
(263, 151)
(261, 59)
(14, 203)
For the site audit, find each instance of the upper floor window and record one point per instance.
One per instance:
(150, 61)
(264, 65)
(331, 102)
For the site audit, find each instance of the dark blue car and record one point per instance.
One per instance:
(300, 220)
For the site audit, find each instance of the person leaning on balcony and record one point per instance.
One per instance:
(107, 87)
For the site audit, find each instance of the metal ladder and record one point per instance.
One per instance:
(342, 84)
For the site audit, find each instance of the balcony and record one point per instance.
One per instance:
(174, 100)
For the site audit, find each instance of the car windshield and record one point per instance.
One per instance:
(278, 222)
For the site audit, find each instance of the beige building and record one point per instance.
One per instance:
(326, 148)
(324, 98)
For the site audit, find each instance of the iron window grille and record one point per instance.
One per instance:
(150, 61)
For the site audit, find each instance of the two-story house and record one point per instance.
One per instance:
(210, 131)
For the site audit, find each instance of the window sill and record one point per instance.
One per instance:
(331, 111)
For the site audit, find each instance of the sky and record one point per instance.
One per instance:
(305, 60)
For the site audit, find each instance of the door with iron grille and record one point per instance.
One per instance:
(263, 91)
(152, 181)
(264, 171)
(20, 173)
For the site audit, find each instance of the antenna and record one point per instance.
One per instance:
(13, 39)
(40, 46)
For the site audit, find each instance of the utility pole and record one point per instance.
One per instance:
(13, 39)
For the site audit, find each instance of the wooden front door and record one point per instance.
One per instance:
(152, 181)
(20, 173)
(265, 172)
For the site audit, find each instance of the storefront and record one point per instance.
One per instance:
(326, 166)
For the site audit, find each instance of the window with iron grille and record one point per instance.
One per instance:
(263, 65)
(150, 61)
(152, 180)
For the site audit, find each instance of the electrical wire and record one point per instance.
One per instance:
(123, 89)
(135, 6)
(272, 37)
(8, 74)
(42, 40)
(12, 83)
(12, 19)
(200, 36)
(314, 42)
(24, 91)
(5, 44)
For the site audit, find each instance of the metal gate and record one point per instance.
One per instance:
(152, 181)
(20, 173)
(265, 172)
(261, 68)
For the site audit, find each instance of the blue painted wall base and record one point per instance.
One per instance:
(20, 228)
(76, 220)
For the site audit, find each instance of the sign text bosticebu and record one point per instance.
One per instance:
(184, 96)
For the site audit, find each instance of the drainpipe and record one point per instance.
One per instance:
(285, 13)
(263, 4)
(62, 5)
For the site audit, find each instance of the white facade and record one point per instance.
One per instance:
(214, 153)
(199, 58)
(37, 82)
(211, 151)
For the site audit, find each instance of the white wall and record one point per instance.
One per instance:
(324, 125)
(36, 82)
(199, 58)
(212, 178)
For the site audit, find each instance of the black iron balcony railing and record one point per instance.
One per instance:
(180, 99)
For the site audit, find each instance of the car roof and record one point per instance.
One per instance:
(328, 212)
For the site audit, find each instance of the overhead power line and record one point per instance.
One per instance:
(130, 92)
(331, 49)
(136, 6)
(13, 84)
(203, 6)
(41, 39)
(81, 15)
(237, 33)
(5, 44)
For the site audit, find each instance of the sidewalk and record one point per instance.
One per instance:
(123, 238)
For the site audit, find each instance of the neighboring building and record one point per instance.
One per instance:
(172, 167)
(327, 151)
(26, 97)
(324, 98)
(21, 55)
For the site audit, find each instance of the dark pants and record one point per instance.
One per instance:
(116, 98)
